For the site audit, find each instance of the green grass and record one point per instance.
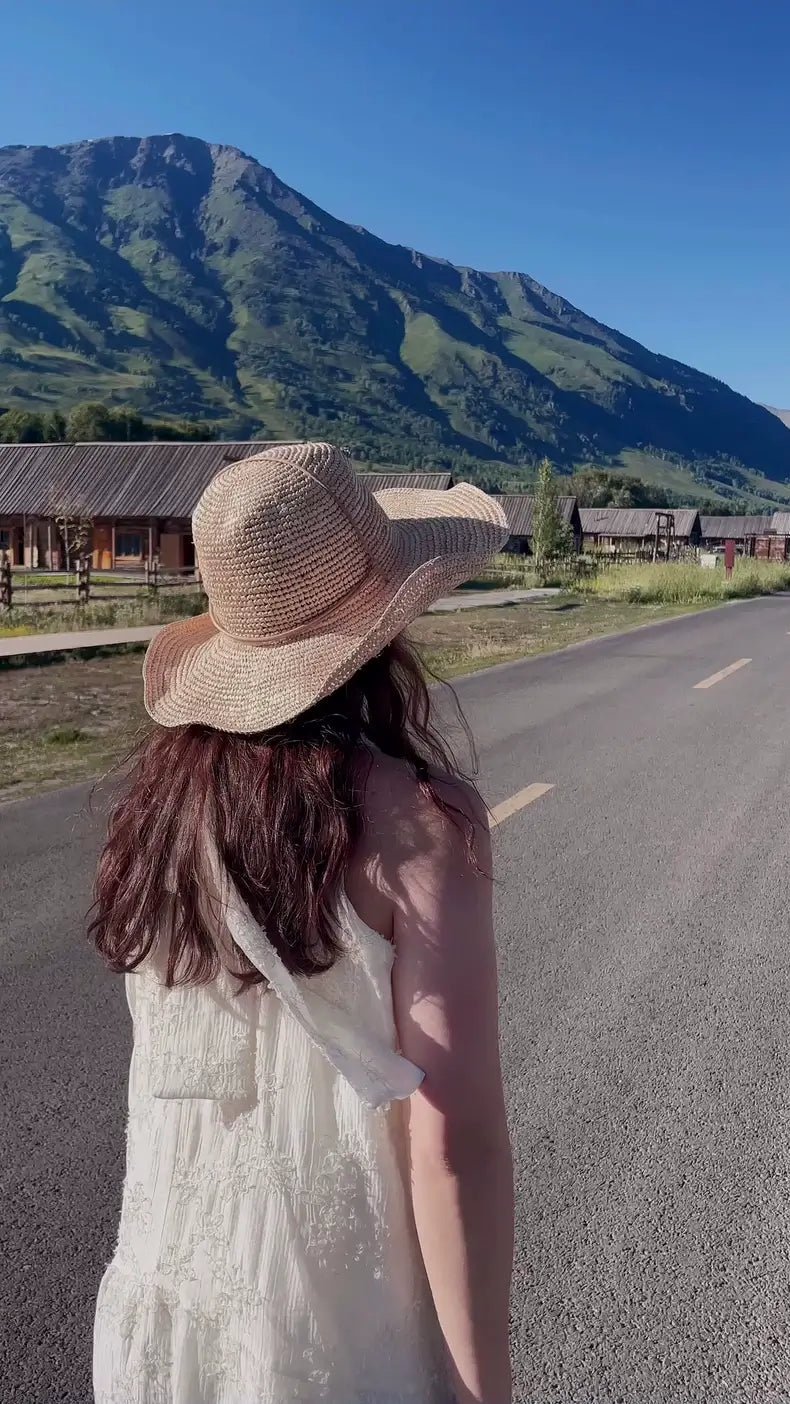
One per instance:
(22, 579)
(72, 718)
(65, 736)
(453, 644)
(687, 584)
(658, 472)
(120, 614)
(571, 366)
(510, 572)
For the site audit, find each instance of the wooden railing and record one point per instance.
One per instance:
(82, 585)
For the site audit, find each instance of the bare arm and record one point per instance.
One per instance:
(445, 991)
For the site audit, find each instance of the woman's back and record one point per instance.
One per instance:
(302, 909)
(267, 1248)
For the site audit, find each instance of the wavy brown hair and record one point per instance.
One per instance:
(286, 810)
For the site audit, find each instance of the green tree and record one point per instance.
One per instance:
(89, 423)
(54, 427)
(598, 487)
(22, 427)
(551, 538)
(127, 424)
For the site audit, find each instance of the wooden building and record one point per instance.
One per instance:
(744, 531)
(127, 503)
(638, 528)
(519, 508)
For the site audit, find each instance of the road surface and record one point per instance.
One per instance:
(642, 906)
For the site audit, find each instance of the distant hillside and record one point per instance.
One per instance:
(784, 415)
(184, 279)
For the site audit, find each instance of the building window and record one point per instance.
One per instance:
(128, 543)
(5, 540)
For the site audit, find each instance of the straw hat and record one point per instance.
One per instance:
(308, 575)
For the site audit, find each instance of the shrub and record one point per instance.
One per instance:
(65, 736)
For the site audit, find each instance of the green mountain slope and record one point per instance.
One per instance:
(185, 279)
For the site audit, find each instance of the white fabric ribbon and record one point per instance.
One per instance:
(378, 1074)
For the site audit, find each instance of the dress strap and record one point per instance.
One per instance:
(378, 1074)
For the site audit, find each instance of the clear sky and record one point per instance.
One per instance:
(633, 155)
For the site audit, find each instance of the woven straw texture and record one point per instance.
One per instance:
(308, 575)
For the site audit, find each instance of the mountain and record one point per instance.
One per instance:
(186, 279)
(784, 415)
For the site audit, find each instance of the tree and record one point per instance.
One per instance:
(54, 427)
(597, 487)
(126, 424)
(73, 523)
(551, 538)
(92, 422)
(88, 423)
(22, 427)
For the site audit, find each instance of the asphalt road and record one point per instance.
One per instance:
(642, 919)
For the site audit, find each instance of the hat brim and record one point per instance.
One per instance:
(195, 674)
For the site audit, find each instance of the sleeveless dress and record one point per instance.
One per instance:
(267, 1251)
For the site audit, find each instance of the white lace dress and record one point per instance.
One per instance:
(267, 1250)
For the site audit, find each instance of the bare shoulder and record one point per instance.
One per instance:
(404, 822)
(420, 866)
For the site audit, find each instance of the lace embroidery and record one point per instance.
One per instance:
(256, 1266)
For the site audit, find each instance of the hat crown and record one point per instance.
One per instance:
(283, 536)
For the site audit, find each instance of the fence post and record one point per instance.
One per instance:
(83, 580)
(6, 582)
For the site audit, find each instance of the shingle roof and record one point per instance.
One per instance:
(519, 508)
(780, 523)
(435, 482)
(734, 528)
(112, 480)
(135, 479)
(634, 522)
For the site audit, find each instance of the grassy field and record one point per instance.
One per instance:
(678, 583)
(55, 579)
(72, 720)
(453, 644)
(54, 618)
(673, 584)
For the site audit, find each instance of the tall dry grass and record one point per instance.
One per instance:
(510, 572)
(111, 614)
(686, 583)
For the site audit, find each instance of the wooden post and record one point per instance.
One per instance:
(729, 558)
(150, 541)
(83, 580)
(49, 543)
(27, 544)
(112, 548)
(6, 582)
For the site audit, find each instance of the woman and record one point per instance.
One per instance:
(318, 1194)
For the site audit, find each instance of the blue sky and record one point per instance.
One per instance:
(631, 154)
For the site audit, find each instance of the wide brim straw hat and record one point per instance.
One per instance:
(309, 575)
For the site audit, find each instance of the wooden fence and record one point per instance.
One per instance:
(83, 585)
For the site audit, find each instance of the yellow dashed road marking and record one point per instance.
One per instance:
(503, 811)
(718, 677)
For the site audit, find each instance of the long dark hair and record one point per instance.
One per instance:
(286, 811)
